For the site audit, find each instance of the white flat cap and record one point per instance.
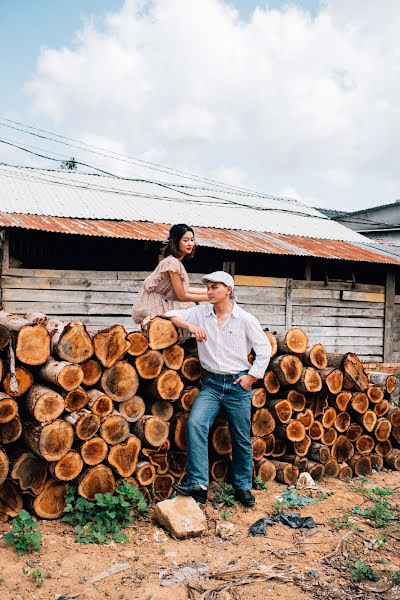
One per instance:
(219, 277)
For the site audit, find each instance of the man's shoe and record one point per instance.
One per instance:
(195, 491)
(245, 497)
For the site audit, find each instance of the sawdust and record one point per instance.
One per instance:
(152, 551)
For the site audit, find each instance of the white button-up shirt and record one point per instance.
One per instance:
(226, 350)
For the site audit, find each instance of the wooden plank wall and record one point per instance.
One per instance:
(342, 318)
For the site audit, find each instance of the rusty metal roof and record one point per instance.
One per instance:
(244, 241)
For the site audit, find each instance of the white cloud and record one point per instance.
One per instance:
(283, 101)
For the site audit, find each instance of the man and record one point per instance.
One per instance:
(225, 334)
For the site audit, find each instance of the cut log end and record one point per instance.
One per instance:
(162, 333)
(124, 457)
(97, 480)
(110, 345)
(50, 503)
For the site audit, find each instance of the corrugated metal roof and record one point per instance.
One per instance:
(244, 241)
(86, 196)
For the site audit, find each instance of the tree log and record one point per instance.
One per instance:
(342, 422)
(293, 431)
(191, 368)
(94, 451)
(161, 333)
(100, 404)
(114, 429)
(316, 470)
(167, 386)
(376, 461)
(361, 465)
(269, 444)
(151, 430)
(310, 381)
(266, 470)
(32, 341)
(138, 343)
(110, 345)
(68, 467)
(188, 397)
(360, 402)
(120, 381)
(281, 410)
(319, 402)
(319, 453)
(301, 448)
(382, 429)
(383, 448)
(385, 380)
(96, 480)
(272, 340)
(177, 464)
(288, 369)
(285, 472)
(352, 366)
(329, 417)
(162, 409)
(158, 457)
(179, 430)
(44, 404)
(329, 437)
(11, 501)
(292, 341)
(218, 469)
(124, 457)
(342, 400)
(11, 431)
(332, 468)
(297, 400)
(162, 486)
(221, 440)
(316, 431)
(262, 423)
(392, 460)
(29, 471)
(24, 381)
(75, 399)
(258, 397)
(342, 449)
(279, 448)
(354, 432)
(365, 444)
(315, 356)
(271, 383)
(63, 374)
(50, 441)
(335, 359)
(258, 448)
(306, 418)
(50, 503)
(367, 420)
(4, 465)
(91, 372)
(345, 472)
(4, 337)
(145, 472)
(86, 424)
(333, 379)
(133, 409)
(173, 357)
(381, 408)
(149, 364)
(8, 408)
(375, 394)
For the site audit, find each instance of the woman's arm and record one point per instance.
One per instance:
(181, 293)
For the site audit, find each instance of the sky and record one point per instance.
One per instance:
(296, 98)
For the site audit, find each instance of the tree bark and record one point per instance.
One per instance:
(50, 441)
(62, 374)
(32, 341)
(44, 404)
(24, 381)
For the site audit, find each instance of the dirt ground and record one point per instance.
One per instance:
(291, 553)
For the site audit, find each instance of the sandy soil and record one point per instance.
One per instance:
(292, 552)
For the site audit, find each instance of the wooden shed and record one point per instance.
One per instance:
(78, 247)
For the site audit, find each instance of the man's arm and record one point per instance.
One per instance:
(187, 319)
(261, 346)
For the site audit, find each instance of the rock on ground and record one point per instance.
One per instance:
(181, 516)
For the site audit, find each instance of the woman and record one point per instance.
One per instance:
(167, 287)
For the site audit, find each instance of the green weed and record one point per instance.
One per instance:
(396, 577)
(344, 522)
(382, 512)
(260, 484)
(360, 572)
(224, 495)
(102, 520)
(225, 515)
(37, 576)
(24, 534)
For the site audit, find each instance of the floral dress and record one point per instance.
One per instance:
(157, 295)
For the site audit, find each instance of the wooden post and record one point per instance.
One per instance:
(288, 303)
(229, 267)
(5, 259)
(307, 268)
(390, 291)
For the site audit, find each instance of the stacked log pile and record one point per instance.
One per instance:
(92, 410)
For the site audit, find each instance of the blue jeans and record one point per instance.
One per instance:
(218, 392)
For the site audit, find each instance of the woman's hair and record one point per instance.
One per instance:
(175, 235)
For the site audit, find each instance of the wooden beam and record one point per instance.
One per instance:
(229, 267)
(307, 268)
(4, 259)
(390, 294)
(288, 304)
